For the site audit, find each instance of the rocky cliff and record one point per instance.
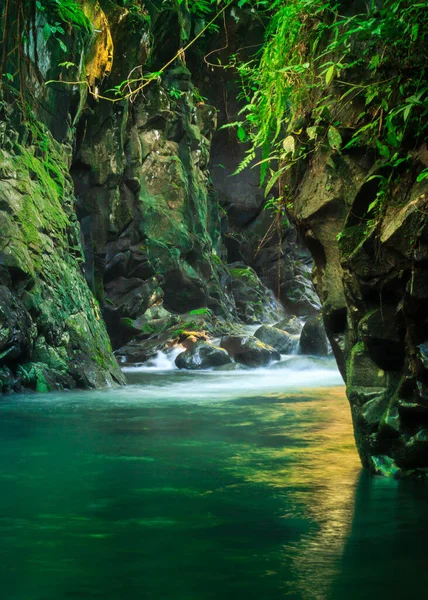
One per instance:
(121, 226)
(360, 201)
(111, 224)
(372, 277)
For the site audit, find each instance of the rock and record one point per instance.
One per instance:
(202, 356)
(415, 451)
(250, 351)
(291, 325)
(383, 338)
(189, 338)
(44, 294)
(282, 341)
(42, 378)
(390, 425)
(229, 367)
(16, 327)
(384, 465)
(8, 382)
(132, 295)
(137, 351)
(183, 292)
(373, 410)
(313, 339)
(254, 301)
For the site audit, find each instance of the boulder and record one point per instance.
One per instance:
(183, 292)
(291, 325)
(250, 351)
(282, 341)
(133, 296)
(255, 303)
(202, 356)
(313, 339)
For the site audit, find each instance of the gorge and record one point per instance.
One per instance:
(135, 193)
(213, 223)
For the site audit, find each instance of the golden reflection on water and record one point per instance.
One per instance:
(318, 470)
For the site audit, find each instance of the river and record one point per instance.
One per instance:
(202, 486)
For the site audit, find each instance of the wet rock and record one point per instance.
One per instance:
(373, 411)
(202, 356)
(313, 339)
(384, 465)
(390, 425)
(229, 367)
(291, 325)
(137, 351)
(282, 341)
(250, 351)
(415, 451)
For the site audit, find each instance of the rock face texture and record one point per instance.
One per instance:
(313, 339)
(372, 279)
(51, 328)
(202, 356)
(118, 193)
(51, 331)
(261, 238)
(118, 220)
(282, 341)
(249, 351)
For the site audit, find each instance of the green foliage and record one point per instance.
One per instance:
(175, 93)
(244, 273)
(68, 11)
(303, 89)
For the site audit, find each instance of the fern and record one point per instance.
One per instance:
(309, 69)
(68, 11)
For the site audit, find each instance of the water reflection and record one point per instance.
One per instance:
(317, 470)
(116, 495)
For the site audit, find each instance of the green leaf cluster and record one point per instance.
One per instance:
(329, 76)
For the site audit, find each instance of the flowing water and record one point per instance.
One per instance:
(202, 486)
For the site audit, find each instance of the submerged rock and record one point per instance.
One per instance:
(250, 351)
(313, 339)
(202, 356)
(282, 341)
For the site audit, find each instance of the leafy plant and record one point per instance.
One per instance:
(68, 11)
(298, 88)
(175, 93)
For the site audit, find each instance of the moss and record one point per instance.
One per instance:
(43, 242)
(186, 327)
(201, 311)
(244, 273)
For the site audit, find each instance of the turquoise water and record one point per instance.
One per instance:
(202, 486)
